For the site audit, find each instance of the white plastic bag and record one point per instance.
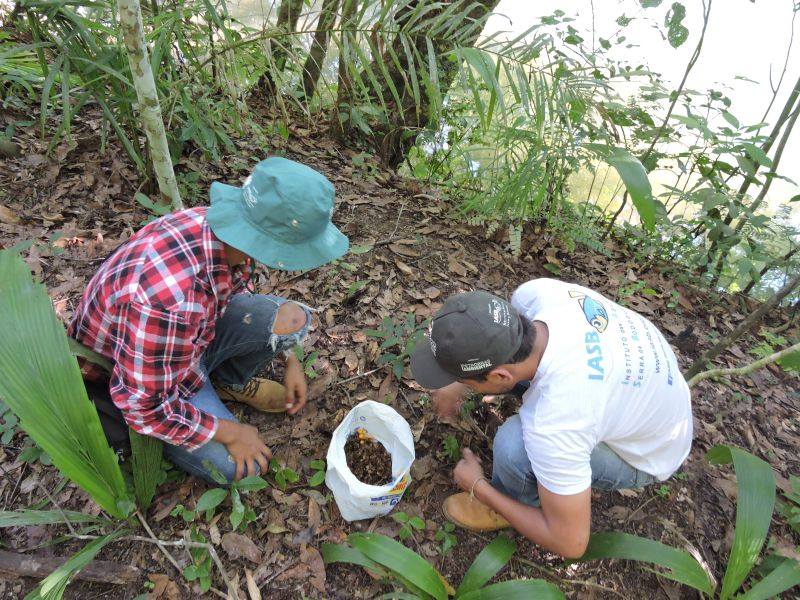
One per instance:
(357, 500)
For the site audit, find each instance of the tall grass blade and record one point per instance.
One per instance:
(40, 381)
(783, 577)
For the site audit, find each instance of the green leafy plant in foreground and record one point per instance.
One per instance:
(392, 561)
(756, 501)
(40, 381)
(791, 510)
(408, 524)
(241, 515)
(318, 477)
(398, 341)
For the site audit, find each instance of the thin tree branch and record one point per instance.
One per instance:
(746, 369)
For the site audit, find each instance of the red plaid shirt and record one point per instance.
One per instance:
(151, 309)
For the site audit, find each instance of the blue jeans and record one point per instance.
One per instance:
(513, 475)
(244, 343)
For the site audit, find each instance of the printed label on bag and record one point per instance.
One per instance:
(394, 493)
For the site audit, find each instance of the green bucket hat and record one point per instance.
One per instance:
(281, 216)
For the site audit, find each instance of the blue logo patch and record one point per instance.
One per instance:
(594, 312)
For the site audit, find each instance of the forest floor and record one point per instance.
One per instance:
(71, 209)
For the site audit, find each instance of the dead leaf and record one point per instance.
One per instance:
(457, 267)
(403, 267)
(351, 360)
(314, 515)
(238, 545)
(252, 588)
(7, 216)
(311, 557)
(164, 588)
(387, 392)
(405, 250)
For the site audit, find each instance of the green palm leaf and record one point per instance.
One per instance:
(40, 381)
(52, 587)
(781, 578)
(486, 565)
(679, 565)
(519, 589)
(18, 518)
(755, 485)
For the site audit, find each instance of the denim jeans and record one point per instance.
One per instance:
(244, 343)
(513, 475)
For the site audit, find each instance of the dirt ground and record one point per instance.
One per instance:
(409, 253)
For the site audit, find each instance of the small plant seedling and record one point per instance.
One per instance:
(241, 516)
(306, 361)
(451, 447)
(8, 424)
(447, 538)
(282, 475)
(318, 476)
(181, 511)
(398, 342)
(202, 563)
(791, 509)
(663, 490)
(409, 524)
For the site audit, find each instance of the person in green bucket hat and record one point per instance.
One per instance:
(170, 311)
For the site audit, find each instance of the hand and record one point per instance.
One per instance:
(245, 447)
(468, 470)
(296, 386)
(447, 401)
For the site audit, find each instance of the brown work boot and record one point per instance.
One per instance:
(262, 394)
(472, 514)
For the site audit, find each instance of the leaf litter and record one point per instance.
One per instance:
(66, 213)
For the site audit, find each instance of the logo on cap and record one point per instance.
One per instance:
(476, 366)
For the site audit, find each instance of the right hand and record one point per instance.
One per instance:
(447, 400)
(245, 447)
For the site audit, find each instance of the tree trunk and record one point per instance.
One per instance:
(319, 47)
(398, 135)
(130, 22)
(746, 325)
(288, 15)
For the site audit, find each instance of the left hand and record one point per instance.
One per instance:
(296, 386)
(468, 470)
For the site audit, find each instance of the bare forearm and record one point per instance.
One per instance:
(530, 522)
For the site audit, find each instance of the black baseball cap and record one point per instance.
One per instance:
(471, 334)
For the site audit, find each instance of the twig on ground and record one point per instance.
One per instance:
(278, 572)
(745, 370)
(58, 507)
(354, 377)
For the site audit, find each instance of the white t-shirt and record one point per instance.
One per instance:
(607, 375)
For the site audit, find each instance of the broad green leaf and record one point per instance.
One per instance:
(650, 3)
(791, 361)
(317, 479)
(757, 154)
(635, 179)
(45, 517)
(40, 381)
(339, 553)
(211, 499)
(679, 565)
(519, 589)
(783, 577)
(486, 565)
(730, 119)
(251, 483)
(401, 561)
(237, 509)
(677, 33)
(79, 349)
(755, 484)
(52, 587)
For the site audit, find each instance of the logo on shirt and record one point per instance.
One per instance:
(594, 312)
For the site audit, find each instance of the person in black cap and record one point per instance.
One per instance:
(604, 405)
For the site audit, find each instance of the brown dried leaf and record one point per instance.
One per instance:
(7, 216)
(164, 588)
(387, 392)
(252, 587)
(238, 545)
(311, 557)
(403, 267)
(456, 267)
(314, 515)
(405, 250)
